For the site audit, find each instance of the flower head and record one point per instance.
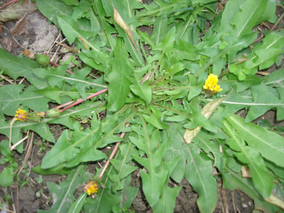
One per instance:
(91, 187)
(211, 84)
(21, 115)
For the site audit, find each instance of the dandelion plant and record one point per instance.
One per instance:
(171, 97)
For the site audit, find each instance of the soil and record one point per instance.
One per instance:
(30, 192)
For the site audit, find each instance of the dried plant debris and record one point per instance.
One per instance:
(17, 10)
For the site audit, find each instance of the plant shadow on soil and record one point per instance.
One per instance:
(34, 194)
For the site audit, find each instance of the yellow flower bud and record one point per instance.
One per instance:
(42, 59)
(52, 113)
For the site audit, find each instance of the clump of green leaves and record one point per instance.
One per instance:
(159, 94)
(6, 176)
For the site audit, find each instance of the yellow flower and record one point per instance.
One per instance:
(211, 84)
(21, 115)
(91, 187)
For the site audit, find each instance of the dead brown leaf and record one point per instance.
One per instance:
(17, 11)
(119, 20)
(207, 111)
(20, 26)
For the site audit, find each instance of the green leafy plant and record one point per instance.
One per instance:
(174, 121)
(6, 176)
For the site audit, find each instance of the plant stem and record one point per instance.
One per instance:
(224, 73)
(81, 99)
(8, 3)
(63, 105)
(277, 22)
(112, 153)
(56, 65)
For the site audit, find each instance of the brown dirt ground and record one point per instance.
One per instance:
(34, 194)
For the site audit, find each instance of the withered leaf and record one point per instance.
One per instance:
(17, 11)
(20, 26)
(119, 20)
(207, 111)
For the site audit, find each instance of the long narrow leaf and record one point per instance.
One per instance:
(118, 78)
(261, 177)
(269, 144)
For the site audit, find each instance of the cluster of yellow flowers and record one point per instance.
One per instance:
(211, 84)
(21, 115)
(91, 187)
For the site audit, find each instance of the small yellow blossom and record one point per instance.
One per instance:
(91, 187)
(21, 115)
(211, 84)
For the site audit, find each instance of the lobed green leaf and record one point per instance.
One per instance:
(121, 165)
(118, 78)
(13, 97)
(17, 66)
(198, 173)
